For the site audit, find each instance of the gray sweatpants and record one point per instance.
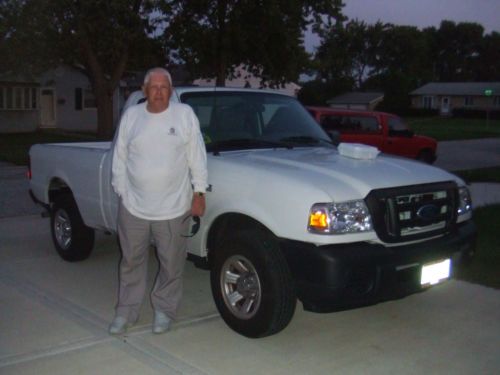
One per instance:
(135, 239)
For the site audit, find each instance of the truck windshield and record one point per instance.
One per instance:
(235, 120)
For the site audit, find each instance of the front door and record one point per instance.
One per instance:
(47, 108)
(445, 105)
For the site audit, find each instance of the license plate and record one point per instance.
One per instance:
(434, 273)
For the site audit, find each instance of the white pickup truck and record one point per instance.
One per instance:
(289, 215)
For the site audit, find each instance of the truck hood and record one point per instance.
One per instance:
(340, 177)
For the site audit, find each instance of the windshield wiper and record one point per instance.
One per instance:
(306, 140)
(244, 144)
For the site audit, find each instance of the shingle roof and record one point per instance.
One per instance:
(356, 98)
(457, 88)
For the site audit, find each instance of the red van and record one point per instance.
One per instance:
(385, 131)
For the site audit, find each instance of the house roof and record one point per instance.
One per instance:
(457, 88)
(356, 98)
(244, 78)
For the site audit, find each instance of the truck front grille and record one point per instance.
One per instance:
(413, 212)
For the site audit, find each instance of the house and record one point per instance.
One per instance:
(19, 104)
(243, 78)
(446, 96)
(356, 100)
(60, 98)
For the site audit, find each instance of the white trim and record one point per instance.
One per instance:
(26, 95)
(445, 108)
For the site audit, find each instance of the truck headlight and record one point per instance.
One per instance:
(465, 201)
(339, 218)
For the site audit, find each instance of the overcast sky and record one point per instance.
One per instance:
(421, 13)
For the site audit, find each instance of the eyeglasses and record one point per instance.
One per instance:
(195, 227)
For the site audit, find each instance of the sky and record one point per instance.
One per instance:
(420, 13)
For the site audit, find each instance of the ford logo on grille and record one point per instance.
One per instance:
(428, 212)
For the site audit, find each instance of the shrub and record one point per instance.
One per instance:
(476, 113)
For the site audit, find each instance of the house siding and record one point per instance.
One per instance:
(18, 121)
(468, 95)
(62, 83)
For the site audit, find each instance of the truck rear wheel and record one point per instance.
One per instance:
(252, 285)
(72, 239)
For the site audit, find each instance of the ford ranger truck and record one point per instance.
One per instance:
(289, 215)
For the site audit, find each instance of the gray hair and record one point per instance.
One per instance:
(151, 71)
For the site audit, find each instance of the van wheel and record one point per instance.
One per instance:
(252, 285)
(72, 239)
(426, 156)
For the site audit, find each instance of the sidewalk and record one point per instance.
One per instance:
(485, 193)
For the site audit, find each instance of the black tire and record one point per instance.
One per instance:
(249, 267)
(72, 239)
(426, 156)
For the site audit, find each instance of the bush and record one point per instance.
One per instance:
(476, 113)
(411, 112)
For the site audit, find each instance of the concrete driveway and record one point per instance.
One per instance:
(54, 317)
(469, 154)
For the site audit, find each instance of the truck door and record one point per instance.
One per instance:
(399, 140)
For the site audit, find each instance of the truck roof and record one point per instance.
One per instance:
(137, 96)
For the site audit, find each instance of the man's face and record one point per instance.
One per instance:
(157, 92)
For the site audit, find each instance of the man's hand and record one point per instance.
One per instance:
(198, 205)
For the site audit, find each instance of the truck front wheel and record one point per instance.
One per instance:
(252, 285)
(72, 239)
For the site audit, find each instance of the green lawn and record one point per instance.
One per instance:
(480, 175)
(14, 147)
(447, 129)
(484, 268)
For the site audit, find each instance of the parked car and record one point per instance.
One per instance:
(388, 132)
(289, 215)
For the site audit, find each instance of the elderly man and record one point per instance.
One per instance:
(159, 172)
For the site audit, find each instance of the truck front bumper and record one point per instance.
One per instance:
(335, 277)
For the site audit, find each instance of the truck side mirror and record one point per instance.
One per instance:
(334, 136)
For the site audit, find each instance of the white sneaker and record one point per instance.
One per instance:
(161, 323)
(118, 325)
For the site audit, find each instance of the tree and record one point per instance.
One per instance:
(318, 92)
(489, 68)
(97, 37)
(457, 51)
(213, 37)
(349, 52)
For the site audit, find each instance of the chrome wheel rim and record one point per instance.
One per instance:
(241, 287)
(62, 229)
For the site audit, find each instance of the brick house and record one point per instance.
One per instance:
(447, 96)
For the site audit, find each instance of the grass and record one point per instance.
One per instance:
(484, 268)
(491, 174)
(14, 147)
(448, 128)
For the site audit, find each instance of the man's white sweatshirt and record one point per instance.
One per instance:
(157, 158)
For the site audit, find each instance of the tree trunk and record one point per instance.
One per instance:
(104, 98)
(103, 86)
(221, 76)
